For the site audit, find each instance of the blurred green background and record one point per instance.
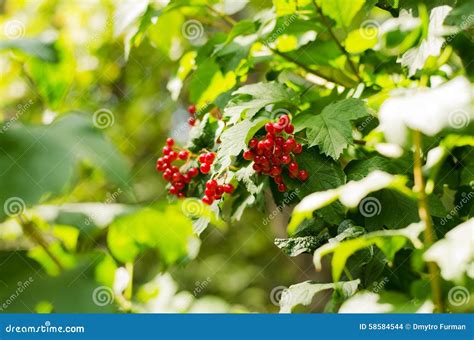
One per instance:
(60, 56)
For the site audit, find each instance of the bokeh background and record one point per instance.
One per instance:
(73, 58)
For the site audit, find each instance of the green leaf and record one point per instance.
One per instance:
(349, 194)
(389, 241)
(235, 139)
(325, 174)
(360, 40)
(455, 248)
(250, 99)
(427, 110)
(32, 47)
(385, 302)
(40, 161)
(415, 58)
(304, 292)
(208, 82)
(298, 245)
(149, 228)
(331, 130)
(341, 11)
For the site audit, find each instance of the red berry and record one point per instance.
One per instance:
(205, 168)
(275, 171)
(207, 200)
(281, 187)
(183, 155)
(166, 150)
(170, 142)
(303, 175)
(209, 192)
(219, 190)
(298, 148)
(268, 144)
(279, 141)
(192, 109)
(192, 121)
(173, 155)
(179, 185)
(261, 146)
(176, 177)
(210, 157)
(289, 128)
(187, 178)
(193, 172)
(174, 168)
(173, 190)
(284, 120)
(257, 167)
(278, 179)
(253, 143)
(212, 184)
(217, 197)
(228, 188)
(180, 194)
(167, 175)
(269, 128)
(293, 167)
(278, 128)
(202, 158)
(248, 155)
(285, 159)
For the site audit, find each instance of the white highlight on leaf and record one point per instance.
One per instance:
(454, 254)
(426, 110)
(121, 280)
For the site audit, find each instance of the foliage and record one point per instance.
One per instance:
(376, 97)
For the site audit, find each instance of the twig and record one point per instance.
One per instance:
(424, 212)
(338, 43)
(31, 230)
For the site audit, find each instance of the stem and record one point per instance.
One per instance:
(424, 212)
(128, 291)
(307, 69)
(338, 43)
(232, 22)
(31, 230)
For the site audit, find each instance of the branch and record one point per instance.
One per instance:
(338, 43)
(231, 22)
(31, 230)
(424, 212)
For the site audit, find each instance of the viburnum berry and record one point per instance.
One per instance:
(170, 142)
(207, 200)
(303, 175)
(193, 172)
(275, 151)
(192, 121)
(192, 109)
(183, 155)
(205, 168)
(228, 188)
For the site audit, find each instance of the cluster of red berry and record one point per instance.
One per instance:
(192, 112)
(171, 172)
(214, 191)
(272, 152)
